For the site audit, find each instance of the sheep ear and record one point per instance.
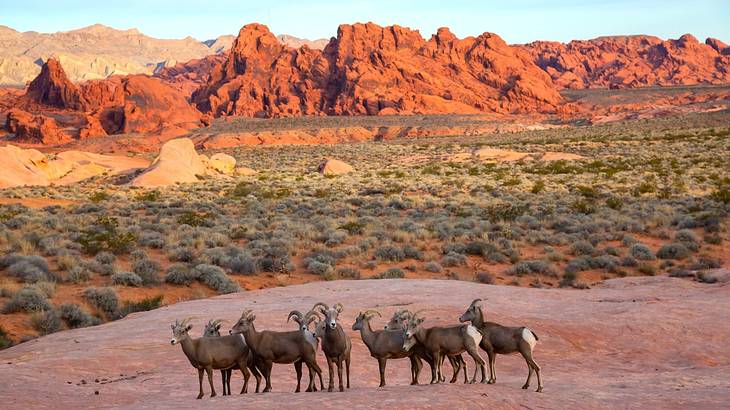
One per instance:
(218, 327)
(172, 327)
(189, 327)
(252, 318)
(322, 311)
(420, 320)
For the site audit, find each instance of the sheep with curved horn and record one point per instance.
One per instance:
(398, 322)
(271, 347)
(212, 329)
(498, 339)
(212, 353)
(386, 344)
(336, 344)
(303, 322)
(449, 341)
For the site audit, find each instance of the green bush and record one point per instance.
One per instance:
(46, 322)
(126, 279)
(74, 316)
(392, 273)
(215, 278)
(180, 275)
(105, 237)
(675, 251)
(148, 271)
(27, 299)
(104, 299)
(143, 305)
(5, 341)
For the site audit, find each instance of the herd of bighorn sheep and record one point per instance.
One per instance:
(252, 351)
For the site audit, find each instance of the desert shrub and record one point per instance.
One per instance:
(452, 259)
(352, 227)
(484, 277)
(48, 288)
(153, 240)
(99, 196)
(143, 305)
(334, 238)
(148, 271)
(243, 265)
(105, 299)
(348, 273)
(28, 299)
(66, 262)
(392, 273)
(149, 196)
(389, 253)
(104, 236)
(138, 255)
(721, 194)
(582, 248)
(194, 219)
(673, 251)
(568, 279)
(5, 341)
(29, 269)
(685, 235)
(647, 269)
(629, 261)
(105, 258)
(46, 322)
(216, 279)
(614, 202)
(101, 269)
(411, 252)
(181, 254)
(641, 252)
(126, 279)
(318, 268)
(532, 266)
(705, 262)
(433, 267)
(75, 316)
(179, 274)
(713, 239)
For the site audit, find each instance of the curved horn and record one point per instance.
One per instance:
(297, 316)
(186, 320)
(417, 312)
(338, 307)
(370, 312)
(219, 321)
(311, 316)
(475, 302)
(246, 313)
(403, 313)
(320, 304)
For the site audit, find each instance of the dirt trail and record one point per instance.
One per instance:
(652, 342)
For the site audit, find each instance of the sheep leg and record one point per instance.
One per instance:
(330, 364)
(436, 369)
(256, 374)
(223, 379)
(478, 362)
(200, 382)
(267, 375)
(463, 363)
(209, 372)
(347, 369)
(298, 369)
(229, 373)
(339, 373)
(416, 365)
(317, 370)
(532, 366)
(456, 367)
(312, 386)
(381, 364)
(246, 377)
(492, 366)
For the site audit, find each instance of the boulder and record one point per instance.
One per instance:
(499, 155)
(244, 171)
(177, 163)
(334, 167)
(223, 163)
(34, 129)
(52, 88)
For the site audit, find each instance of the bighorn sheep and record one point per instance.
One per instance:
(398, 322)
(335, 343)
(439, 341)
(386, 344)
(209, 353)
(212, 329)
(498, 339)
(271, 347)
(303, 323)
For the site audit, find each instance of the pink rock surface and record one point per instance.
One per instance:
(653, 342)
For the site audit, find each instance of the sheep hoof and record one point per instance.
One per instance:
(539, 390)
(200, 396)
(492, 381)
(342, 389)
(525, 386)
(329, 389)
(213, 394)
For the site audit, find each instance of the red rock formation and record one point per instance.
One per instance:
(189, 76)
(372, 70)
(31, 128)
(633, 61)
(51, 87)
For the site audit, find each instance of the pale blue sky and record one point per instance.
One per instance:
(517, 21)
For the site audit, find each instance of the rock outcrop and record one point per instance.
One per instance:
(633, 61)
(51, 87)
(34, 129)
(373, 70)
(334, 167)
(179, 163)
(21, 167)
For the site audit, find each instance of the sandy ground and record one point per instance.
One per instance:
(652, 342)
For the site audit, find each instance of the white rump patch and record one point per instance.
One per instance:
(311, 338)
(529, 337)
(473, 332)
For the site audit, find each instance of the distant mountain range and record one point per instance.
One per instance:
(99, 51)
